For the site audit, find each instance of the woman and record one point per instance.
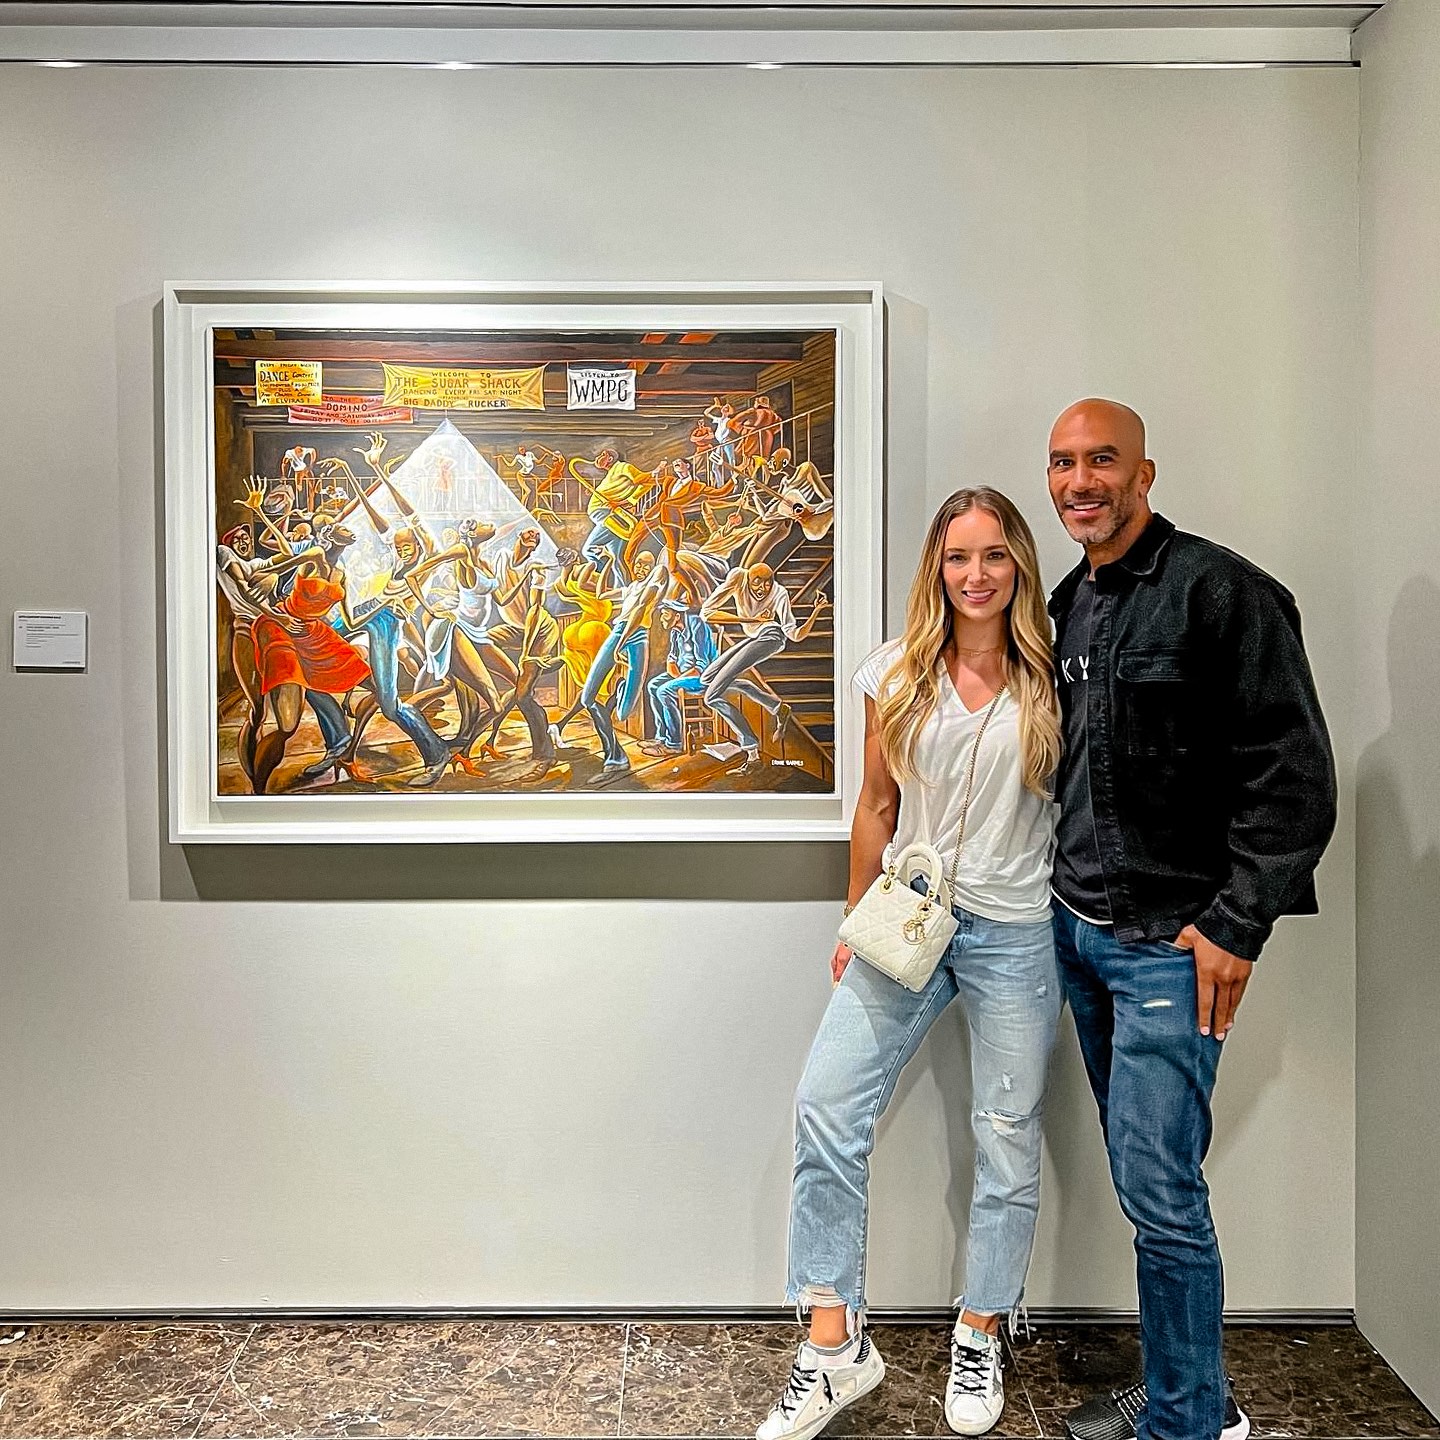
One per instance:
(976, 644)
(299, 653)
(458, 643)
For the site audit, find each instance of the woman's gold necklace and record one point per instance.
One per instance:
(989, 650)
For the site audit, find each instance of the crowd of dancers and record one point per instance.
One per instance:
(669, 592)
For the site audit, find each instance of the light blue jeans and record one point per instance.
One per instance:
(1007, 980)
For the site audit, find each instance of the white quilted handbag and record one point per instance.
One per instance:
(897, 930)
(900, 932)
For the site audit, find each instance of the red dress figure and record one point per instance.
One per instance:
(316, 659)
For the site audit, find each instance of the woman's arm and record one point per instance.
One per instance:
(439, 558)
(347, 615)
(877, 812)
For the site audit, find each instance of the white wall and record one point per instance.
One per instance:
(255, 1077)
(1396, 574)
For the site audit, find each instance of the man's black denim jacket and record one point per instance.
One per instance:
(1211, 773)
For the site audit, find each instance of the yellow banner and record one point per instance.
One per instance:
(287, 382)
(429, 388)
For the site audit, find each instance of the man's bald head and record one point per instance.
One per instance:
(1123, 421)
(1100, 476)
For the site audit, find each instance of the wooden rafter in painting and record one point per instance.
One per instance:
(601, 350)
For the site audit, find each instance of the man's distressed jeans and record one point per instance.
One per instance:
(1153, 1073)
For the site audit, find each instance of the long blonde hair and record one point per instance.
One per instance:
(909, 693)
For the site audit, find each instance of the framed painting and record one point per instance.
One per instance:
(509, 563)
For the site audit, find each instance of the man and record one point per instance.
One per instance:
(508, 566)
(297, 466)
(690, 649)
(762, 421)
(803, 501)
(532, 640)
(760, 605)
(398, 614)
(1197, 792)
(681, 490)
(614, 509)
(523, 462)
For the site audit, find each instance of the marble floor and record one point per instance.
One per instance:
(444, 1378)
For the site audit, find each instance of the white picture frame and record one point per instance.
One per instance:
(193, 311)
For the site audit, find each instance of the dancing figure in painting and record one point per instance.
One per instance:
(297, 466)
(304, 653)
(802, 500)
(755, 601)
(627, 642)
(395, 611)
(721, 416)
(524, 462)
(460, 644)
(253, 584)
(705, 564)
(681, 490)
(579, 585)
(761, 422)
(615, 510)
(534, 644)
(248, 596)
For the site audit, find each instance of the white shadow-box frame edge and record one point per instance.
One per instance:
(855, 309)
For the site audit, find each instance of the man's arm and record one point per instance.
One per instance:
(1282, 777)
(714, 604)
(818, 609)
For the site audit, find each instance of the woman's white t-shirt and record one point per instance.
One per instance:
(1009, 836)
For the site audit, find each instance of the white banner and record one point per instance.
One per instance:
(599, 387)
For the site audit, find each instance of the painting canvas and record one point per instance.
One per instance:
(511, 561)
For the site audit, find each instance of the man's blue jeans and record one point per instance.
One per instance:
(603, 546)
(665, 692)
(1153, 1073)
(384, 630)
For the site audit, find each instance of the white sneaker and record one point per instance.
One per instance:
(819, 1388)
(975, 1395)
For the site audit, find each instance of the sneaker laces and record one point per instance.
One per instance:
(969, 1368)
(797, 1389)
(1131, 1403)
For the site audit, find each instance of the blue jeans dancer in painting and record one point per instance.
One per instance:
(383, 628)
(689, 652)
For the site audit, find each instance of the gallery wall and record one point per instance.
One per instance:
(561, 1076)
(1397, 683)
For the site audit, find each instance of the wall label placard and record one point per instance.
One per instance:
(50, 639)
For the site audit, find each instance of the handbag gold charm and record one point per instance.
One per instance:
(914, 930)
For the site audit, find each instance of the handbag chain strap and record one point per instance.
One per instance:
(969, 790)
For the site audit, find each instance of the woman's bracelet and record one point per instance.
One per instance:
(848, 908)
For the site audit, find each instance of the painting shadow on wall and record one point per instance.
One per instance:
(790, 871)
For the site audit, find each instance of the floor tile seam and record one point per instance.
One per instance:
(225, 1378)
(624, 1373)
(1017, 1371)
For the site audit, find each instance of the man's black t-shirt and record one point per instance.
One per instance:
(1079, 879)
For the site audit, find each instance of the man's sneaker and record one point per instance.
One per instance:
(1112, 1417)
(975, 1395)
(820, 1387)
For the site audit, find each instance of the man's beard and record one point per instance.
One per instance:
(1101, 527)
